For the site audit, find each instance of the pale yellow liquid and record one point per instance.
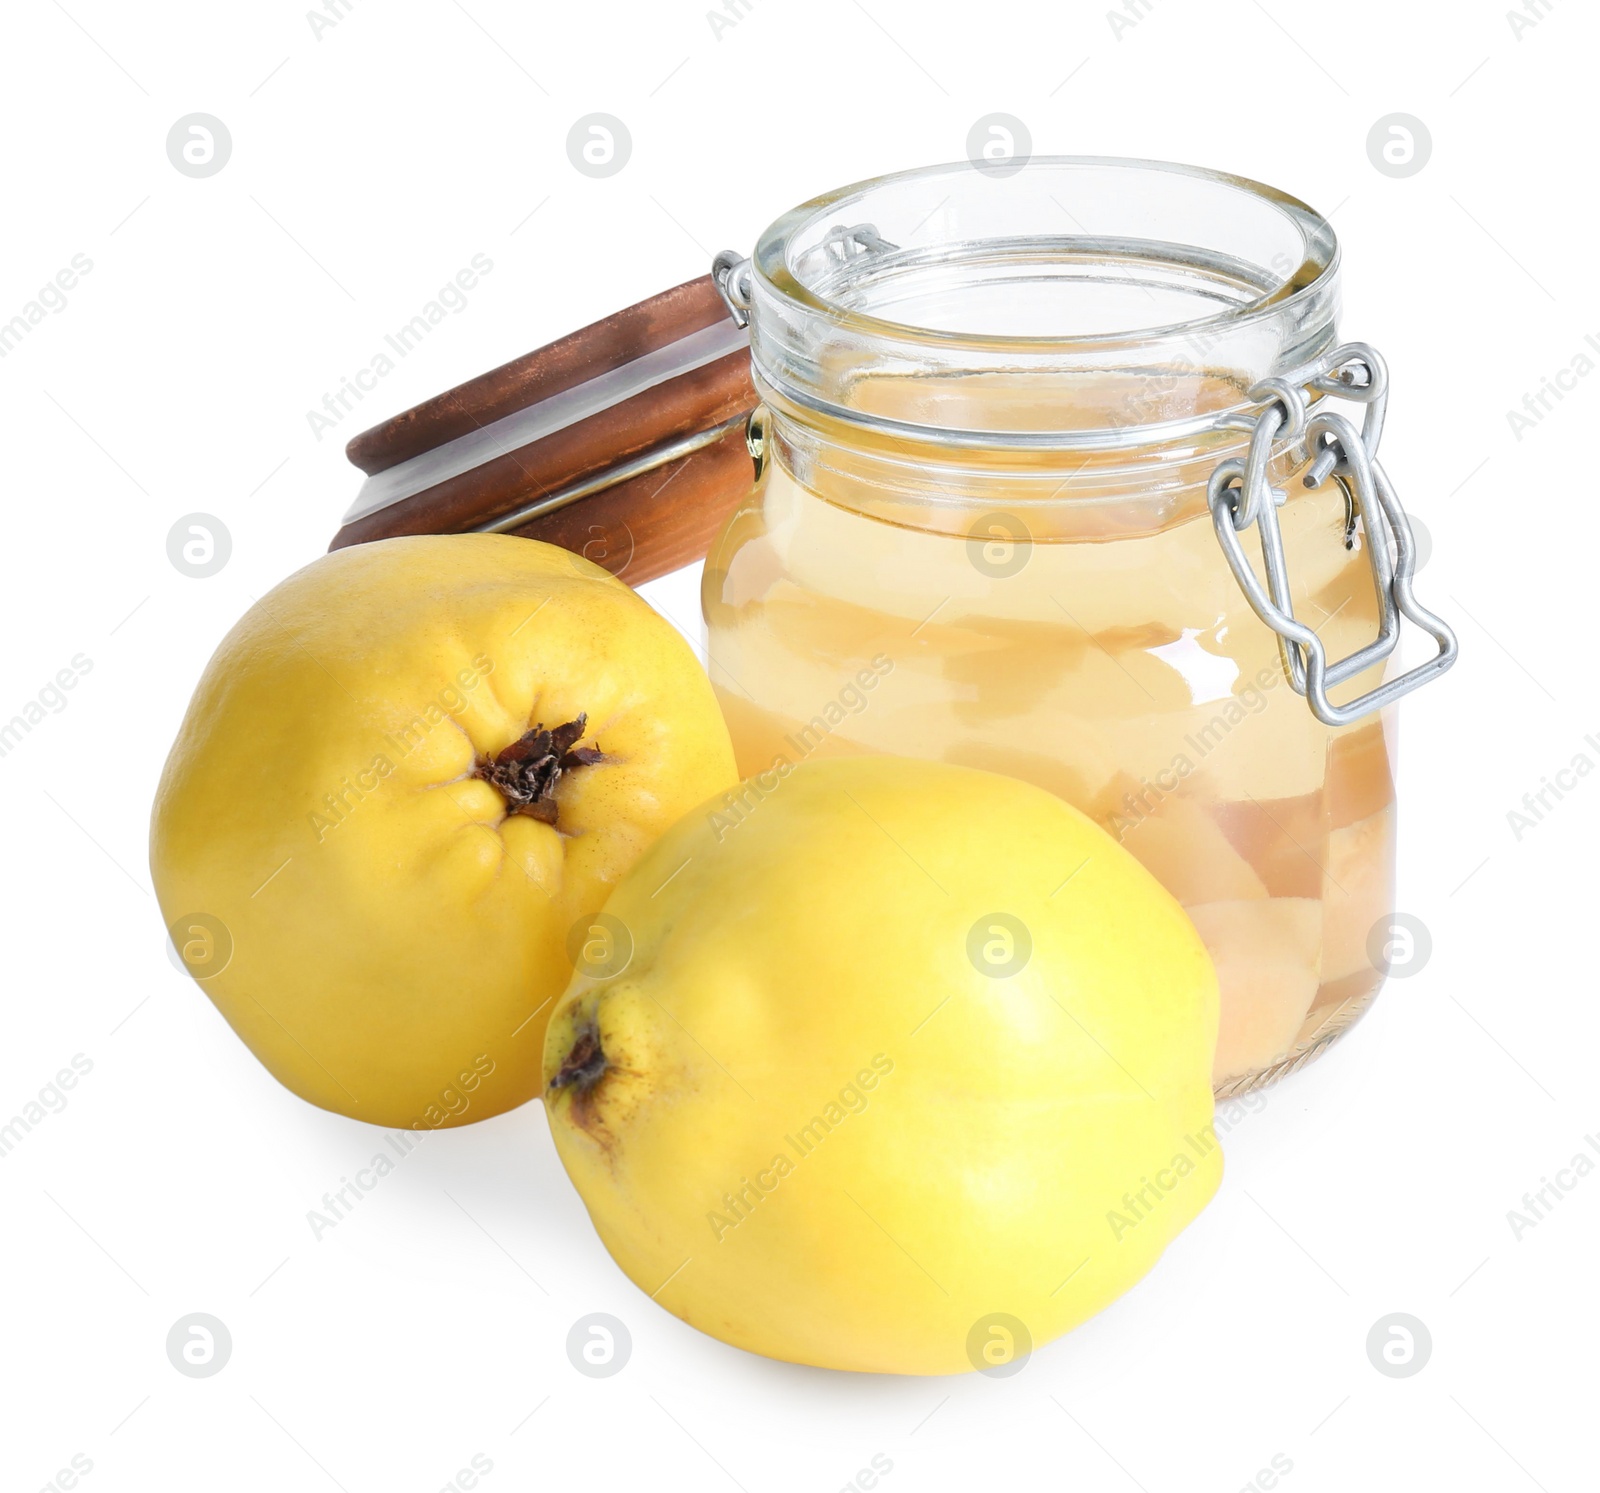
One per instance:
(1127, 675)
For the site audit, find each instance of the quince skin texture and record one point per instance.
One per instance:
(910, 1069)
(370, 858)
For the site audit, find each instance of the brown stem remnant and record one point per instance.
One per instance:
(526, 773)
(585, 1063)
(582, 1070)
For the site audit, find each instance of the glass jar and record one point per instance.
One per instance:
(1006, 420)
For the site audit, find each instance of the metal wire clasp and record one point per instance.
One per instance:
(843, 244)
(1240, 495)
(730, 273)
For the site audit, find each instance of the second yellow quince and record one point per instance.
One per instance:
(895, 1066)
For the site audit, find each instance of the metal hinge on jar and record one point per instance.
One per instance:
(730, 273)
(843, 244)
(1240, 494)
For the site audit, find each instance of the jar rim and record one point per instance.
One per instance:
(1026, 333)
(1322, 260)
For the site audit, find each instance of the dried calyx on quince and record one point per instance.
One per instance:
(526, 773)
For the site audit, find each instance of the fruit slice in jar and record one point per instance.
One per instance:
(1282, 839)
(1360, 775)
(1358, 891)
(1182, 846)
(1268, 955)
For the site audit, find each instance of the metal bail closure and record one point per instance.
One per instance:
(1239, 496)
(843, 244)
(730, 273)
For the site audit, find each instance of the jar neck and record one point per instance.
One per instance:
(921, 481)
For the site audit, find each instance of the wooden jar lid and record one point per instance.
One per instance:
(624, 442)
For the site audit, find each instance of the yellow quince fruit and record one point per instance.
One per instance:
(406, 779)
(909, 1069)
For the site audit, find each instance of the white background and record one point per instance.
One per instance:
(369, 165)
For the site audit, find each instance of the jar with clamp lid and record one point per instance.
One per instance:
(1066, 474)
